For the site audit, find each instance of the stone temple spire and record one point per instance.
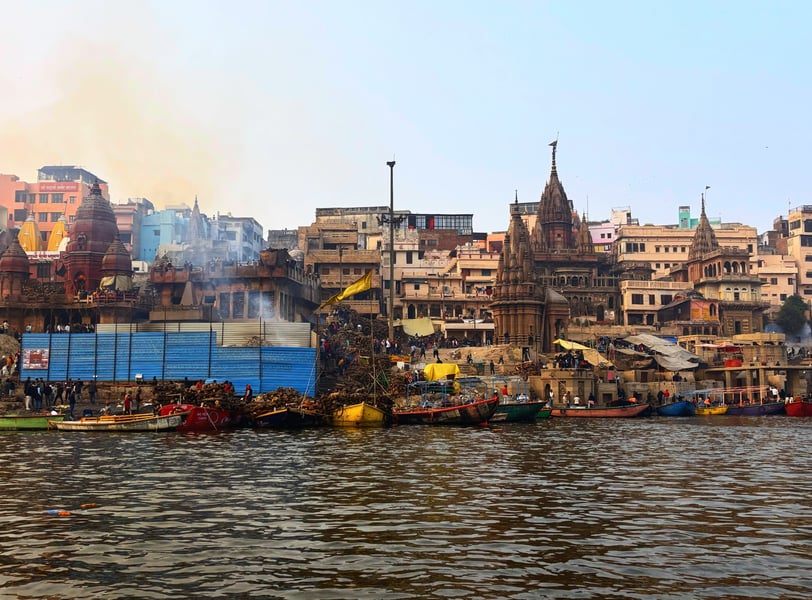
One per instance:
(553, 231)
(704, 241)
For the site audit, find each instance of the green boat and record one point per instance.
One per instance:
(33, 421)
(513, 411)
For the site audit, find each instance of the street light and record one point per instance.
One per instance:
(391, 165)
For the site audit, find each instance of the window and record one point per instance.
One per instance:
(238, 306)
(43, 271)
(666, 299)
(790, 281)
(409, 257)
(55, 216)
(43, 198)
(345, 271)
(324, 271)
(783, 297)
(73, 199)
(656, 265)
(486, 272)
(356, 271)
(773, 280)
(651, 299)
(42, 217)
(682, 249)
(666, 248)
(20, 197)
(57, 199)
(637, 298)
(656, 248)
(363, 224)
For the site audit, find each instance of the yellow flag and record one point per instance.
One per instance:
(362, 285)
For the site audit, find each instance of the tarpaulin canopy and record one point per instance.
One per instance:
(437, 371)
(667, 354)
(591, 355)
(122, 283)
(418, 327)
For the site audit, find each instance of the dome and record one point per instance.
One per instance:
(94, 227)
(116, 260)
(14, 259)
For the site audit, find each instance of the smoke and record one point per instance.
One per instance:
(118, 110)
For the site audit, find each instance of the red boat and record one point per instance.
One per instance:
(472, 413)
(629, 410)
(203, 418)
(799, 408)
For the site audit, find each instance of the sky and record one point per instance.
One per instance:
(273, 109)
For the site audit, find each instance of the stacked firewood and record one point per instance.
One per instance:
(281, 398)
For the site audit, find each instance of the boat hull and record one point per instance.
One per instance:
(800, 408)
(511, 412)
(288, 418)
(360, 414)
(704, 411)
(756, 410)
(630, 410)
(119, 423)
(30, 422)
(203, 418)
(474, 413)
(682, 408)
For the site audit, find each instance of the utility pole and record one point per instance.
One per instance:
(391, 165)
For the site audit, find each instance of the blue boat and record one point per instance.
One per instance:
(680, 408)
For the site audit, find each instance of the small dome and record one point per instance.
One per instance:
(14, 259)
(117, 260)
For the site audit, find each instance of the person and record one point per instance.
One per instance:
(501, 360)
(470, 359)
(127, 403)
(577, 401)
(137, 399)
(591, 400)
(504, 391)
(249, 393)
(550, 397)
(91, 391)
(493, 367)
(71, 401)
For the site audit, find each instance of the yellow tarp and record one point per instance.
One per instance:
(419, 327)
(592, 356)
(437, 371)
(568, 345)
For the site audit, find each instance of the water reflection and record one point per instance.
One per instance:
(651, 508)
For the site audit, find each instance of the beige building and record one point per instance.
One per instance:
(799, 247)
(640, 301)
(665, 247)
(779, 277)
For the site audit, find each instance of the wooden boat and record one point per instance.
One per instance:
(680, 408)
(756, 409)
(703, 411)
(203, 418)
(32, 421)
(628, 410)
(470, 413)
(120, 423)
(799, 408)
(289, 417)
(545, 413)
(361, 414)
(511, 411)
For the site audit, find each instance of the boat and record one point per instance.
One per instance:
(468, 413)
(703, 411)
(120, 423)
(799, 408)
(518, 410)
(32, 421)
(360, 414)
(628, 410)
(289, 417)
(756, 409)
(203, 418)
(679, 408)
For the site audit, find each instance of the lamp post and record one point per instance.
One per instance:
(391, 165)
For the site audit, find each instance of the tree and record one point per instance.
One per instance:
(792, 315)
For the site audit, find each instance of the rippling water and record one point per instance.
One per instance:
(643, 508)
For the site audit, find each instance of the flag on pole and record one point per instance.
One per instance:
(356, 287)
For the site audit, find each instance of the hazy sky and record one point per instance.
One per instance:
(271, 109)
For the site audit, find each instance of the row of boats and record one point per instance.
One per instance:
(188, 417)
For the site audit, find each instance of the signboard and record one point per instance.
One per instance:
(35, 358)
(58, 186)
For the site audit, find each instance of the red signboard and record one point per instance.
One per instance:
(58, 186)
(35, 359)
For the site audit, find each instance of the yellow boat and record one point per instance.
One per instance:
(361, 414)
(710, 410)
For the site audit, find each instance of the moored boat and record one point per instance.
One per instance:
(120, 423)
(799, 408)
(680, 408)
(360, 414)
(703, 411)
(32, 421)
(203, 418)
(628, 410)
(756, 409)
(288, 417)
(510, 411)
(470, 413)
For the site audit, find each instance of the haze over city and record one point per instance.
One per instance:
(271, 109)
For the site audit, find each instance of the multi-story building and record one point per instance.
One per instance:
(242, 236)
(129, 218)
(779, 276)
(799, 247)
(665, 247)
(57, 192)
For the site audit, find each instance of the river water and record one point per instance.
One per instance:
(645, 508)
